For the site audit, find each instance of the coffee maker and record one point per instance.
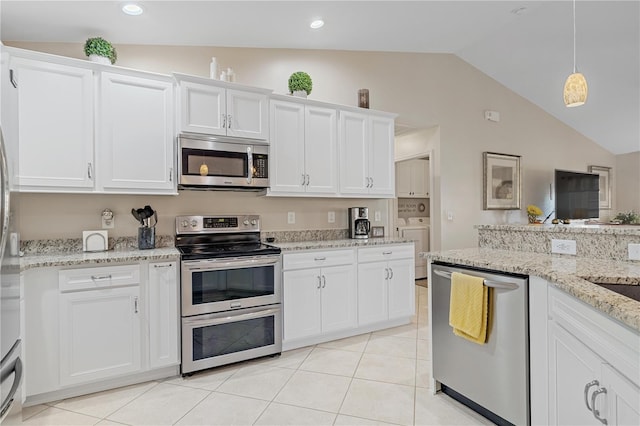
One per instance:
(359, 225)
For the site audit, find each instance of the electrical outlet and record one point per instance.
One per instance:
(634, 251)
(450, 215)
(563, 246)
(107, 223)
(331, 217)
(377, 216)
(291, 217)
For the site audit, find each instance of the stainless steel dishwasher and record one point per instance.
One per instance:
(492, 379)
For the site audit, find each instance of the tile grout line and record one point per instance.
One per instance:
(352, 377)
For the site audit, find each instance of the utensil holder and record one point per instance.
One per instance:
(146, 238)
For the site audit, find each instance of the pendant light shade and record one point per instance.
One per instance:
(575, 88)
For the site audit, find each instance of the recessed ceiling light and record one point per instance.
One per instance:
(132, 9)
(317, 23)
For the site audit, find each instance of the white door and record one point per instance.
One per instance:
(623, 398)
(99, 334)
(372, 293)
(381, 163)
(571, 367)
(321, 150)
(55, 129)
(202, 108)
(301, 303)
(136, 134)
(403, 179)
(401, 288)
(286, 150)
(354, 153)
(419, 178)
(339, 305)
(247, 114)
(164, 316)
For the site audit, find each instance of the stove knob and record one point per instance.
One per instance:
(245, 223)
(194, 223)
(254, 222)
(184, 223)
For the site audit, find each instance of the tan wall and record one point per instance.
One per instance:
(425, 90)
(627, 176)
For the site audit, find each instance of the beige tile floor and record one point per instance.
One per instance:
(372, 379)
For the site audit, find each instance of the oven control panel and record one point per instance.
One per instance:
(217, 224)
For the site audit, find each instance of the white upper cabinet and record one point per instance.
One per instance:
(136, 134)
(225, 109)
(366, 155)
(303, 149)
(412, 178)
(54, 133)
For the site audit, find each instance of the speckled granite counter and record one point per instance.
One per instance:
(332, 244)
(30, 261)
(566, 273)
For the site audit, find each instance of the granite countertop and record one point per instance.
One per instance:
(31, 261)
(344, 243)
(604, 229)
(566, 273)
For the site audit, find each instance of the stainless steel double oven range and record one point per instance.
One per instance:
(231, 291)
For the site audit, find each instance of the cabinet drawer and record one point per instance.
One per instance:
(382, 253)
(318, 259)
(91, 278)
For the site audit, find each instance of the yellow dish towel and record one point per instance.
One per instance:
(469, 307)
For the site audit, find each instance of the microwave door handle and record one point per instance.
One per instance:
(488, 283)
(250, 165)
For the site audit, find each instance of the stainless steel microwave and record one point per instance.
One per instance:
(210, 162)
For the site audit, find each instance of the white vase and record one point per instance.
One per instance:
(300, 93)
(100, 59)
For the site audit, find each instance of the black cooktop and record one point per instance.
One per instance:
(214, 251)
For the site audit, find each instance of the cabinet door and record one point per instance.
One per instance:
(339, 304)
(571, 366)
(247, 114)
(55, 126)
(202, 108)
(286, 151)
(301, 303)
(164, 316)
(401, 287)
(99, 334)
(381, 163)
(321, 145)
(372, 293)
(419, 178)
(623, 398)
(403, 179)
(354, 157)
(136, 134)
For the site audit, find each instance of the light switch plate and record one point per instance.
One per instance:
(331, 217)
(563, 246)
(377, 216)
(634, 251)
(291, 217)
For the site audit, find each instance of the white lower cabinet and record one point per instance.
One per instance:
(164, 315)
(386, 283)
(319, 299)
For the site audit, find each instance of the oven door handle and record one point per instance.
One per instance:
(215, 319)
(209, 265)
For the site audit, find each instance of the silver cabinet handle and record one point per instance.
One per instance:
(224, 121)
(387, 252)
(135, 305)
(307, 180)
(90, 170)
(391, 272)
(586, 393)
(488, 283)
(595, 412)
(170, 174)
(166, 265)
(371, 183)
(100, 277)
(319, 259)
(12, 79)
(324, 281)
(304, 179)
(386, 273)
(319, 282)
(229, 121)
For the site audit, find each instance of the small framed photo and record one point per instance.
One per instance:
(377, 231)
(605, 185)
(501, 180)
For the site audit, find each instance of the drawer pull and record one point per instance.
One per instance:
(168, 265)
(135, 305)
(100, 277)
(387, 252)
(318, 259)
(586, 393)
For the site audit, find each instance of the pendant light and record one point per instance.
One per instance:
(575, 88)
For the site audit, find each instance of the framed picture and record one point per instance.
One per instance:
(377, 231)
(605, 185)
(501, 180)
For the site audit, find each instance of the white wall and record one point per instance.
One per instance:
(627, 176)
(426, 90)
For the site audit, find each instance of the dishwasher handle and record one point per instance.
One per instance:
(488, 283)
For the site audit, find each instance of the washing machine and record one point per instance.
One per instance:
(417, 230)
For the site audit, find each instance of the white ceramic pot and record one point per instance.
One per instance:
(100, 59)
(300, 93)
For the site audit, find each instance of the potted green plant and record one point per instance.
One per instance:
(100, 50)
(300, 84)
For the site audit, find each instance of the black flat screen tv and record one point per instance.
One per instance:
(577, 195)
